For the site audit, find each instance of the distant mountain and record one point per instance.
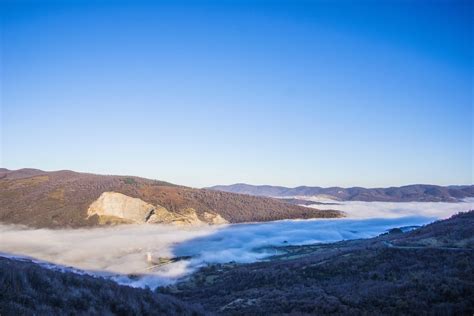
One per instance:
(408, 193)
(71, 199)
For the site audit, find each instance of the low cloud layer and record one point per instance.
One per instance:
(119, 250)
(122, 250)
(359, 209)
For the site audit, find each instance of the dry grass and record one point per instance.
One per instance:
(57, 194)
(15, 184)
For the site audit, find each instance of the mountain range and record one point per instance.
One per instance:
(71, 199)
(408, 193)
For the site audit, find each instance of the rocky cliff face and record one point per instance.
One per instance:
(113, 207)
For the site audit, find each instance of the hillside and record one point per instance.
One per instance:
(429, 271)
(409, 193)
(29, 289)
(65, 198)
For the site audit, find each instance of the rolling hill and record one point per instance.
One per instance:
(70, 199)
(409, 193)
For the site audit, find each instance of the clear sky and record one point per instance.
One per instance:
(372, 93)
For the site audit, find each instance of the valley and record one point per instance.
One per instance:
(426, 269)
(236, 158)
(211, 252)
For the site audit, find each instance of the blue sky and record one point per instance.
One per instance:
(264, 92)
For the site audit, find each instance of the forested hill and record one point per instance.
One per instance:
(408, 193)
(62, 199)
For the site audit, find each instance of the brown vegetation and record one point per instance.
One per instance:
(61, 198)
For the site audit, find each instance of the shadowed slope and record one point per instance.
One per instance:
(27, 289)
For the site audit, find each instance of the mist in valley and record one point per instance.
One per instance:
(361, 209)
(121, 251)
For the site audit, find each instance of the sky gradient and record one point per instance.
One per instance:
(202, 93)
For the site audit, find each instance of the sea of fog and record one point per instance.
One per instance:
(119, 251)
(360, 209)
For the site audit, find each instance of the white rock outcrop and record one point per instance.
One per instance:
(214, 219)
(113, 204)
(113, 207)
